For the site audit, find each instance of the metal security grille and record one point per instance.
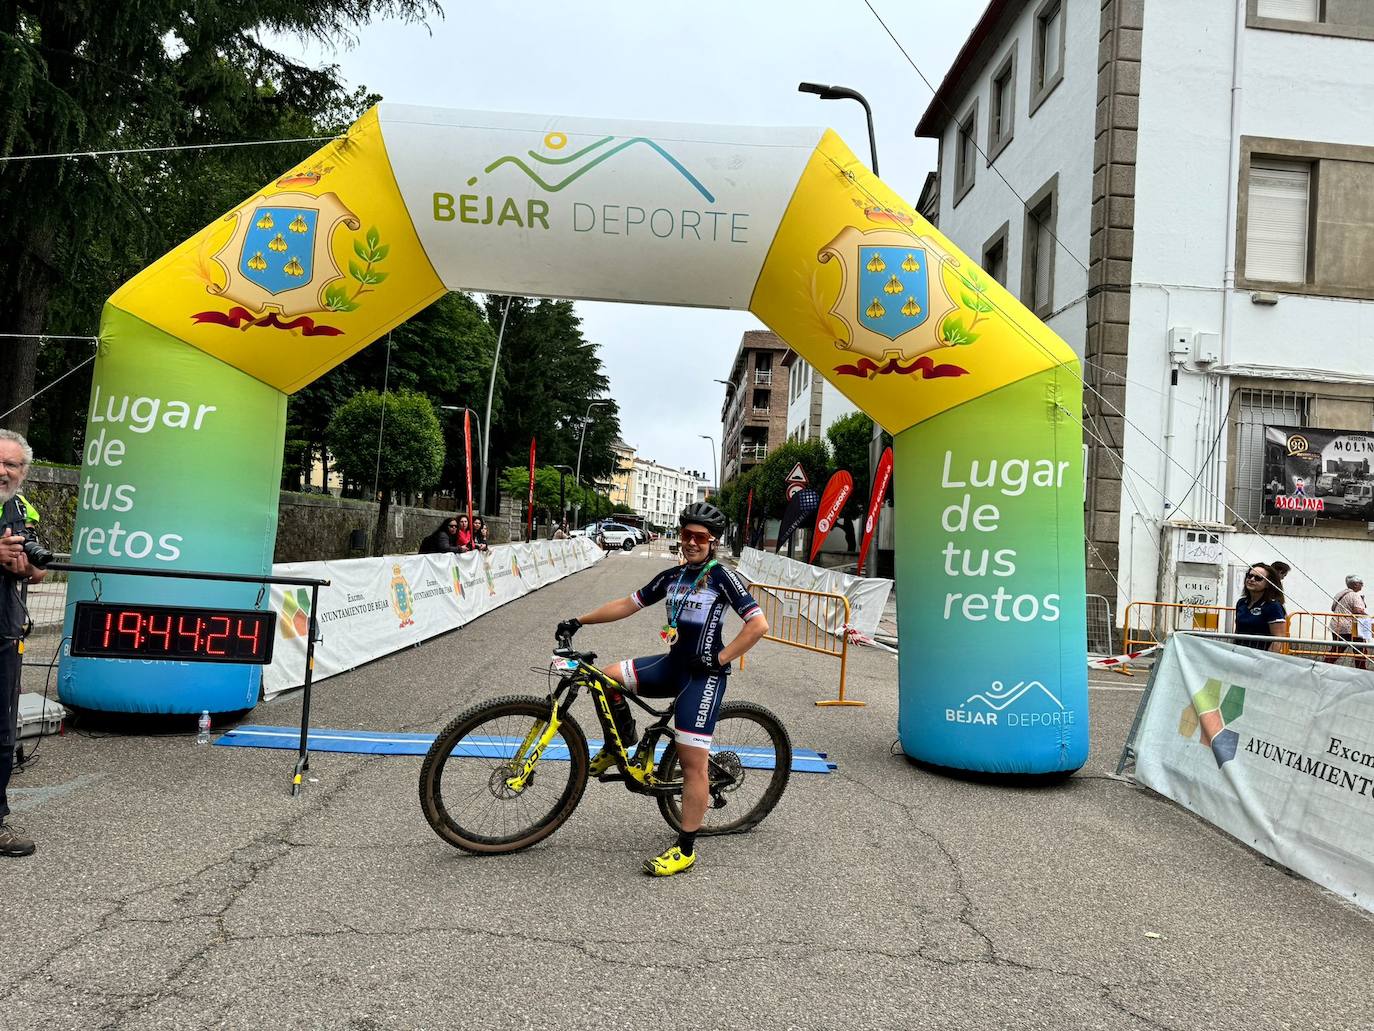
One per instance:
(1256, 409)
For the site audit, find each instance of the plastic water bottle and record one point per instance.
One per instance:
(203, 725)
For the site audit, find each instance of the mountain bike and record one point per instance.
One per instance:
(507, 773)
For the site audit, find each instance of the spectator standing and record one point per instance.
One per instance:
(1350, 607)
(15, 458)
(1259, 609)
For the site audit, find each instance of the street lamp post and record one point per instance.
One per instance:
(714, 468)
(845, 93)
(563, 471)
(577, 474)
(491, 389)
(875, 443)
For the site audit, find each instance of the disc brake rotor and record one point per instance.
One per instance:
(497, 782)
(728, 767)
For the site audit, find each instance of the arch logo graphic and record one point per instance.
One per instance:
(1212, 713)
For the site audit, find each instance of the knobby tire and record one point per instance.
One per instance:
(454, 808)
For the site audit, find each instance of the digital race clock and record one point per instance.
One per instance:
(133, 631)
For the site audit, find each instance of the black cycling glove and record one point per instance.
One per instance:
(568, 627)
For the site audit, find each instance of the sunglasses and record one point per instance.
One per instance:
(702, 539)
(1253, 576)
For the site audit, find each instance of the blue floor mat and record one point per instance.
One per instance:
(804, 760)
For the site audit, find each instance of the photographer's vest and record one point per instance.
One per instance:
(31, 516)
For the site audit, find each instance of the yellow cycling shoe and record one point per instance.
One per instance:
(671, 862)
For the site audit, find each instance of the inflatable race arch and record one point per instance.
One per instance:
(199, 351)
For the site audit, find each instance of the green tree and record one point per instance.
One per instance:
(548, 374)
(89, 75)
(849, 438)
(770, 477)
(402, 449)
(444, 352)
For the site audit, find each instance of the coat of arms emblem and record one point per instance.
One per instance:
(279, 255)
(892, 300)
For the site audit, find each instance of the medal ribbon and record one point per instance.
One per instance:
(670, 631)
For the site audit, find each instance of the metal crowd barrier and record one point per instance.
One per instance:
(803, 619)
(1309, 634)
(46, 605)
(1101, 629)
(1313, 634)
(1151, 622)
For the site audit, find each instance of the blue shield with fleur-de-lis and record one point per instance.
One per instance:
(894, 289)
(279, 247)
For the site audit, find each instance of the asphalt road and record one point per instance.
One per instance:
(179, 886)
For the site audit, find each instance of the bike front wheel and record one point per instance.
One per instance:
(751, 761)
(465, 792)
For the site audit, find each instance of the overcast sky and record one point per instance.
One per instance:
(709, 62)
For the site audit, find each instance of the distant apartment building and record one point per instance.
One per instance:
(754, 416)
(1182, 191)
(623, 476)
(662, 492)
(813, 402)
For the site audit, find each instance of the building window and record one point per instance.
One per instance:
(1276, 222)
(1291, 10)
(995, 255)
(1002, 109)
(1305, 218)
(1349, 19)
(1037, 270)
(965, 153)
(1048, 65)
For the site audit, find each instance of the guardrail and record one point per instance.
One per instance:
(799, 617)
(1151, 622)
(1309, 634)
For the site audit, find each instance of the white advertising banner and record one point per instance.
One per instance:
(555, 206)
(867, 596)
(1275, 750)
(376, 606)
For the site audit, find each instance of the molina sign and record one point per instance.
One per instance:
(1315, 472)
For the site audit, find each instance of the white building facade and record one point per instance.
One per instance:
(813, 403)
(663, 492)
(1198, 223)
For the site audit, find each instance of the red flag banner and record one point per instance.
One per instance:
(529, 520)
(467, 445)
(837, 492)
(748, 511)
(875, 504)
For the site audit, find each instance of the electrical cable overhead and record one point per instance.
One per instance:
(164, 150)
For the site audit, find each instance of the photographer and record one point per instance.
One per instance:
(20, 556)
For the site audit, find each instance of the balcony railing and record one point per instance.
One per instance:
(761, 411)
(753, 452)
(763, 377)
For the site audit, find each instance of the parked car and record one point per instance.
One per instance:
(618, 535)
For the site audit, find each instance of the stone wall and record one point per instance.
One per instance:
(310, 527)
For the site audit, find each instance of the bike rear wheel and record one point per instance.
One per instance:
(463, 789)
(751, 761)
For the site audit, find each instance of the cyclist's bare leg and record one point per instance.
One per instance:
(695, 785)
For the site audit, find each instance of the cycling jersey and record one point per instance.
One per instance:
(698, 611)
(696, 605)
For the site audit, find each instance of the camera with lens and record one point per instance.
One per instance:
(34, 551)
